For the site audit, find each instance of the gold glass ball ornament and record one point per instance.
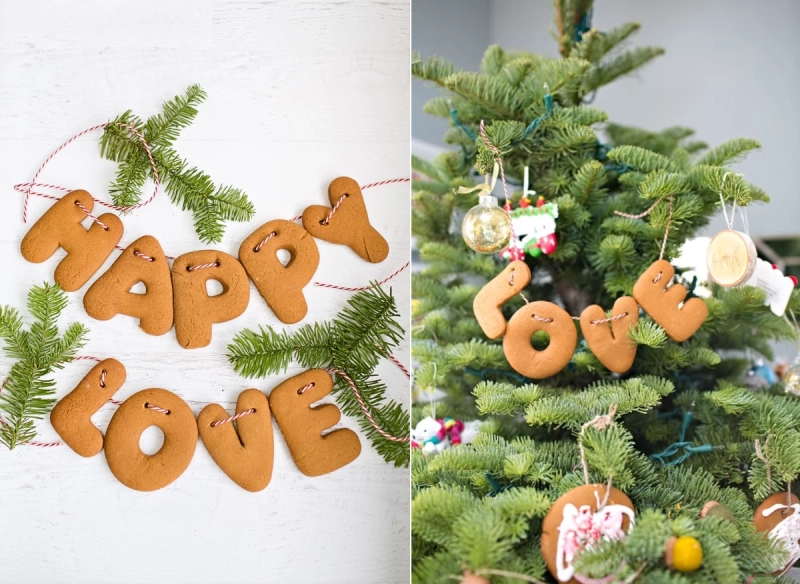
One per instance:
(731, 258)
(791, 379)
(487, 227)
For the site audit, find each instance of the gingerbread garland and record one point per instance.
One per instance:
(180, 295)
(244, 451)
(680, 319)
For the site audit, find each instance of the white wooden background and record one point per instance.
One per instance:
(299, 93)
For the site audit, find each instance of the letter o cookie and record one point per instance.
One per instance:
(132, 467)
(533, 317)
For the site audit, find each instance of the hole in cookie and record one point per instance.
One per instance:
(323, 222)
(540, 340)
(151, 440)
(213, 287)
(284, 256)
(138, 288)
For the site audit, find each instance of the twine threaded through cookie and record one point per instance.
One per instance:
(95, 219)
(264, 241)
(202, 266)
(150, 406)
(232, 418)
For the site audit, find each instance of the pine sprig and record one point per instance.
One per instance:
(188, 187)
(362, 334)
(27, 394)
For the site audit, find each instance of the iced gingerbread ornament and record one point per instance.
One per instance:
(779, 515)
(577, 520)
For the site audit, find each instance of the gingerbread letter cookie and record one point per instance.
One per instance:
(533, 317)
(661, 303)
(150, 407)
(244, 452)
(301, 424)
(195, 310)
(495, 293)
(349, 224)
(61, 226)
(142, 261)
(576, 522)
(779, 516)
(611, 345)
(72, 416)
(281, 286)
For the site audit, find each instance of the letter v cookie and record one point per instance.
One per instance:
(611, 345)
(348, 224)
(245, 452)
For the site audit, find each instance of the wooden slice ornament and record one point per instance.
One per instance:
(346, 221)
(576, 521)
(731, 258)
(245, 451)
(779, 517)
(72, 416)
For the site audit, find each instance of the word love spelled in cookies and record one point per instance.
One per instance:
(240, 444)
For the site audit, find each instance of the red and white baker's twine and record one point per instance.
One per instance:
(335, 287)
(232, 418)
(366, 411)
(156, 408)
(26, 188)
(645, 214)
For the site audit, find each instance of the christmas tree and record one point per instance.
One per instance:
(677, 428)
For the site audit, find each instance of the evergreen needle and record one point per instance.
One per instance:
(27, 393)
(362, 334)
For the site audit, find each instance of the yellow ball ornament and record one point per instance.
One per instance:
(684, 554)
(487, 227)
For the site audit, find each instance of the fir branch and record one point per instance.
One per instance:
(189, 188)
(362, 334)
(26, 394)
(163, 129)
